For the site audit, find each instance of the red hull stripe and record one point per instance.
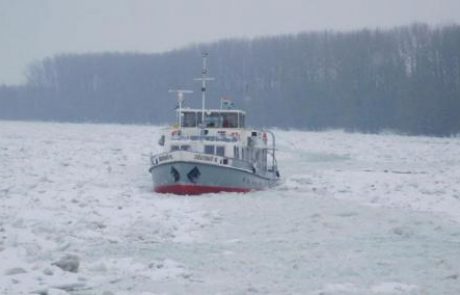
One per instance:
(183, 189)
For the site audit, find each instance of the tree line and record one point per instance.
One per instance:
(405, 79)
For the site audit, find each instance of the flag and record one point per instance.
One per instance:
(226, 104)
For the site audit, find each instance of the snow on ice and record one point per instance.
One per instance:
(355, 214)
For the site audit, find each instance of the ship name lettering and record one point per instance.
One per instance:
(204, 158)
(164, 158)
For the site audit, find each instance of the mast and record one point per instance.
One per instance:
(203, 79)
(180, 100)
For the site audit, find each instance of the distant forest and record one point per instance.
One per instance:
(405, 79)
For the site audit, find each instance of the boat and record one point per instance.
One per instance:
(212, 150)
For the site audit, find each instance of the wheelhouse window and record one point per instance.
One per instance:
(213, 120)
(174, 148)
(222, 120)
(241, 120)
(185, 147)
(189, 119)
(220, 151)
(216, 119)
(230, 120)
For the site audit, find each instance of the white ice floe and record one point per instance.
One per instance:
(355, 214)
(394, 288)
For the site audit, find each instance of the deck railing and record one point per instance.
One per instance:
(205, 138)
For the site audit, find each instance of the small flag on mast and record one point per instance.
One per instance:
(226, 103)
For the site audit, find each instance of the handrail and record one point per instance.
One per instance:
(205, 137)
(275, 162)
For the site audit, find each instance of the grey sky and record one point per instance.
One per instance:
(33, 29)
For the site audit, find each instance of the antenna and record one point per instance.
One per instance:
(203, 79)
(180, 100)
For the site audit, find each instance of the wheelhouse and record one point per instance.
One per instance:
(212, 118)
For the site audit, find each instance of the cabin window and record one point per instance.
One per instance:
(185, 147)
(241, 120)
(230, 120)
(220, 151)
(213, 120)
(189, 119)
(198, 119)
(209, 149)
(258, 156)
(236, 152)
(162, 140)
(174, 148)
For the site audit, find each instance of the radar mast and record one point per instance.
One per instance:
(203, 79)
(180, 100)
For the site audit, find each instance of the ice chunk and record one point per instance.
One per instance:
(68, 263)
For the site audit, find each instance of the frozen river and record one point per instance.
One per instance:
(355, 214)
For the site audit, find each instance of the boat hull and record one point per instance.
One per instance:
(187, 189)
(194, 178)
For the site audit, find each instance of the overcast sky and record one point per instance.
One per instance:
(33, 29)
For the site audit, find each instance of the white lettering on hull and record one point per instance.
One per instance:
(165, 158)
(204, 158)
